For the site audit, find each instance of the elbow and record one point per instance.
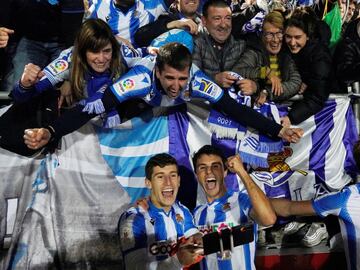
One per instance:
(269, 219)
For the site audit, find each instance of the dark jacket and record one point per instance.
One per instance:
(208, 59)
(256, 57)
(314, 63)
(347, 56)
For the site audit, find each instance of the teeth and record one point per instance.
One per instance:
(210, 179)
(168, 190)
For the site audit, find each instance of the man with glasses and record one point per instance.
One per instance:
(266, 62)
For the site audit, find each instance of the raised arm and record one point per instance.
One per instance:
(261, 211)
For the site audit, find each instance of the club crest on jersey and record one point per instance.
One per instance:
(179, 218)
(226, 207)
(127, 85)
(58, 67)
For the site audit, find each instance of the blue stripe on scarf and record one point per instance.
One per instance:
(178, 125)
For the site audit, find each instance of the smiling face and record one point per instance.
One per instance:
(272, 38)
(172, 80)
(100, 61)
(188, 7)
(210, 173)
(295, 39)
(164, 185)
(218, 23)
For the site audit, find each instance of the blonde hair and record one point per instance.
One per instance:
(275, 18)
(93, 35)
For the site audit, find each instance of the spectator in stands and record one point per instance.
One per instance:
(350, 10)
(216, 52)
(163, 234)
(4, 36)
(40, 24)
(314, 62)
(125, 17)
(228, 207)
(347, 56)
(165, 80)
(183, 15)
(95, 62)
(265, 61)
(344, 204)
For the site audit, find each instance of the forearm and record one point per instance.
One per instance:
(147, 33)
(262, 210)
(286, 208)
(75, 117)
(247, 116)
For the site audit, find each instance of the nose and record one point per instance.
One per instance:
(292, 42)
(208, 170)
(176, 85)
(167, 180)
(101, 57)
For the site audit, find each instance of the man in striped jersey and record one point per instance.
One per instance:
(344, 204)
(161, 235)
(228, 208)
(126, 16)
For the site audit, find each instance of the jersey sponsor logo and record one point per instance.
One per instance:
(58, 67)
(127, 85)
(207, 87)
(162, 248)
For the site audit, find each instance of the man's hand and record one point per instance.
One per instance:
(247, 87)
(153, 50)
(4, 36)
(124, 41)
(31, 75)
(190, 251)
(186, 24)
(302, 89)
(235, 164)
(292, 135)
(285, 121)
(225, 79)
(36, 138)
(66, 94)
(261, 99)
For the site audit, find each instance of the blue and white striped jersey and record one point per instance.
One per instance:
(345, 205)
(148, 237)
(232, 209)
(126, 24)
(140, 82)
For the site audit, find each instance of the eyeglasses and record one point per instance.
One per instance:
(271, 36)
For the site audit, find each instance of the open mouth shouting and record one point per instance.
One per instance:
(210, 183)
(168, 193)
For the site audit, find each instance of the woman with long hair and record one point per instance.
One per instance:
(314, 63)
(93, 63)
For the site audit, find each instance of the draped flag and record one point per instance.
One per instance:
(62, 210)
(316, 165)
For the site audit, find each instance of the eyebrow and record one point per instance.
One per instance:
(161, 173)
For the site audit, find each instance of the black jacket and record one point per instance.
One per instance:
(314, 63)
(347, 56)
